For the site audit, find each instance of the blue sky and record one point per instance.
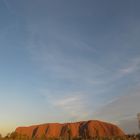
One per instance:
(68, 61)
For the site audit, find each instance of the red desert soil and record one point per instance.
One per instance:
(84, 129)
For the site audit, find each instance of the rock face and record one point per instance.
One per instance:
(85, 129)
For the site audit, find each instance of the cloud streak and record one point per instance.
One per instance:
(94, 79)
(132, 67)
(122, 111)
(74, 104)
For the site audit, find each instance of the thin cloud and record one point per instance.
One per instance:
(132, 67)
(74, 104)
(125, 107)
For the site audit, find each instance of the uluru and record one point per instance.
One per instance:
(84, 129)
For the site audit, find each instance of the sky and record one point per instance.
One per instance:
(66, 61)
